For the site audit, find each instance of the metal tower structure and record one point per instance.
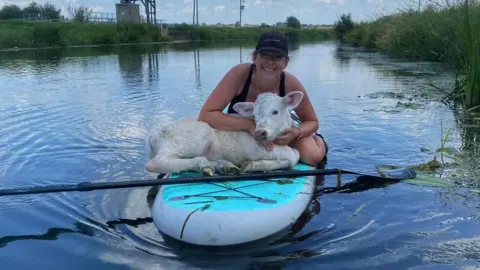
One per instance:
(242, 7)
(150, 9)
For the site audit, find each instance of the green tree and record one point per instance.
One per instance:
(32, 8)
(343, 26)
(80, 13)
(9, 12)
(292, 22)
(49, 11)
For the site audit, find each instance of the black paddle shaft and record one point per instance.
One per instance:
(89, 186)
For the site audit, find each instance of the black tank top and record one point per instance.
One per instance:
(243, 95)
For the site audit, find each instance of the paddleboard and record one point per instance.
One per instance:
(231, 213)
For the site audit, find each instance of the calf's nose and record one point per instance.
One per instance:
(261, 134)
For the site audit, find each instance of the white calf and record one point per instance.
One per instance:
(191, 145)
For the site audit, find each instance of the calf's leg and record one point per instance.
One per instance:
(281, 157)
(170, 164)
(264, 165)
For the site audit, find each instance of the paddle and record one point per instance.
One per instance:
(387, 175)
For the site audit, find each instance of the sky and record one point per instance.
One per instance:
(256, 11)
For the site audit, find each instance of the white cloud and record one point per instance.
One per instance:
(187, 9)
(97, 8)
(219, 8)
(256, 11)
(333, 2)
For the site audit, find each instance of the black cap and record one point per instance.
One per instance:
(272, 41)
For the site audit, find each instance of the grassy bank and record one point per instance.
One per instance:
(217, 33)
(62, 34)
(449, 34)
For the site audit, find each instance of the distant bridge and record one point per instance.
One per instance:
(102, 17)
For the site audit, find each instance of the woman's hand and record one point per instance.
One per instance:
(288, 136)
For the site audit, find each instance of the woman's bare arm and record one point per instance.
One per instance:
(211, 112)
(305, 110)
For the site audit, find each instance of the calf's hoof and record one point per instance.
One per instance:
(247, 166)
(231, 169)
(207, 171)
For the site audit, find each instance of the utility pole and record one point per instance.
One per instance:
(242, 7)
(195, 12)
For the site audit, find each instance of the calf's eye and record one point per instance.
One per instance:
(275, 112)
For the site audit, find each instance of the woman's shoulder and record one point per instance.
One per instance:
(238, 73)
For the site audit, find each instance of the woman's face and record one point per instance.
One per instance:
(270, 64)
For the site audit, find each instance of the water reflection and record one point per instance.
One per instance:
(240, 49)
(130, 61)
(455, 129)
(343, 58)
(85, 118)
(198, 81)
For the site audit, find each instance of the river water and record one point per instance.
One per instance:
(82, 115)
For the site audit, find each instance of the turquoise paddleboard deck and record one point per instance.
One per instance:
(231, 213)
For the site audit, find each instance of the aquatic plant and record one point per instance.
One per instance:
(471, 61)
(431, 31)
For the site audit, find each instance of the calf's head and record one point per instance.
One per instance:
(271, 113)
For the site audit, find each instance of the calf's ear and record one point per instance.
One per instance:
(292, 99)
(244, 108)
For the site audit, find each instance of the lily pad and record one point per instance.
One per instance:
(426, 179)
(408, 105)
(423, 149)
(445, 150)
(359, 209)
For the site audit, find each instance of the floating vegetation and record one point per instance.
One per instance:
(409, 105)
(285, 181)
(430, 180)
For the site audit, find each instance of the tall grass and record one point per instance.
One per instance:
(61, 34)
(446, 32)
(471, 68)
(217, 33)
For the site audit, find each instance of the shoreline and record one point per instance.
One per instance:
(127, 44)
(93, 46)
(21, 36)
(444, 34)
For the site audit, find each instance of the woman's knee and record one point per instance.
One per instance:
(314, 156)
(312, 150)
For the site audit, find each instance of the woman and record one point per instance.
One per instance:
(244, 82)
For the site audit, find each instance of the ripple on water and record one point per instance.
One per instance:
(70, 124)
(40, 138)
(136, 226)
